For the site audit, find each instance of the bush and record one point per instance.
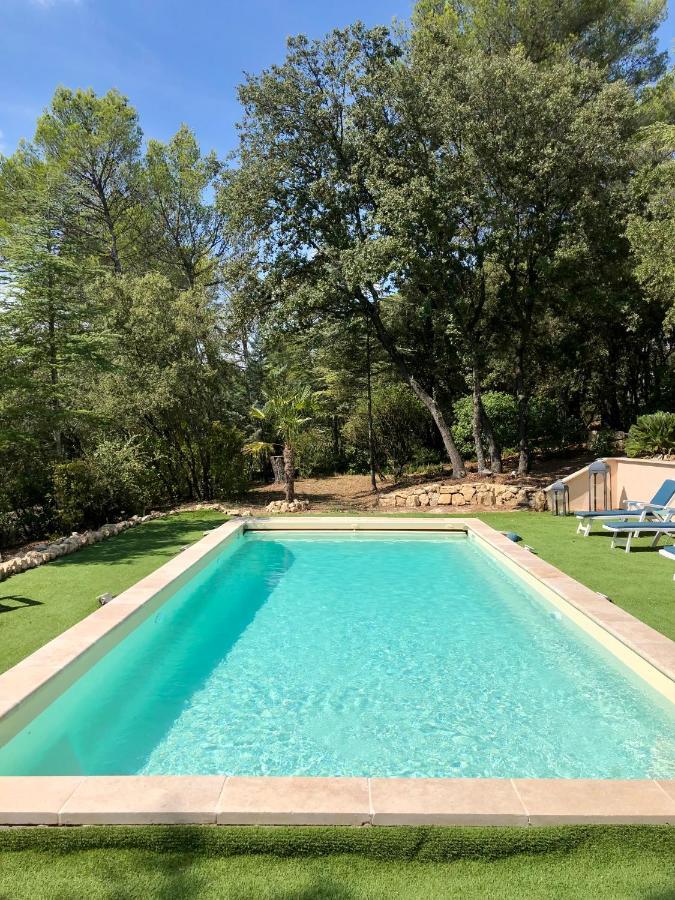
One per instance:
(401, 427)
(603, 442)
(315, 452)
(229, 470)
(112, 482)
(502, 412)
(652, 435)
(550, 428)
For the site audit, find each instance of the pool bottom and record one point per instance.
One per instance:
(331, 655)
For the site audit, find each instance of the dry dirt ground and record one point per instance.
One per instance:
(353, 493)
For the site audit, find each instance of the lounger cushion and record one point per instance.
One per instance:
(640, 526)
(604, 513)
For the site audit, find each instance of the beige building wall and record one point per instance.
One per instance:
(631, 479)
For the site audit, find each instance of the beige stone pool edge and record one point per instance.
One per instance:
(75, 800)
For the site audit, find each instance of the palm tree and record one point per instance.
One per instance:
(286, 413)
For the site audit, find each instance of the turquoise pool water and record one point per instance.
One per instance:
(315, 654)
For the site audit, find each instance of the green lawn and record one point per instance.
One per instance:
(338, 863)
(37, 605)
(41, 603)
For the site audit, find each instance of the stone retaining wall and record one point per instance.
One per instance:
(477, 493)
(43, 553)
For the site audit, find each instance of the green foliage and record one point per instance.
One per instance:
(229, 473)
(483, 200)
(502, 411)
(315, 452)
(112, 482)
(652, 435)
(617, 34)
(286, 411)
(651, 226)
(603, 443)
(400, 424)
(550, 427)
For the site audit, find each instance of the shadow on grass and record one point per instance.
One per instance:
(21, 603)
(161, 537)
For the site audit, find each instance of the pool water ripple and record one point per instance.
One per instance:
(374, 655)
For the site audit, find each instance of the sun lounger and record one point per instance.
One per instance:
(641, 509)
(625, 530)
(669, 553)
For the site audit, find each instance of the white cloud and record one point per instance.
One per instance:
(47, 4)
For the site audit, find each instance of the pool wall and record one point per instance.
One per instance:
(70, 800)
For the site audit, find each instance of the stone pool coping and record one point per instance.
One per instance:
(71, 800)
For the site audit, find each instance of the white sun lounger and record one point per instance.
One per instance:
(639, 508)
(625, 531)
(669, 553)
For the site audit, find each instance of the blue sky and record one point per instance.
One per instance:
(177, 60)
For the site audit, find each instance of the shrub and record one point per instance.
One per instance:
(549, 425)
(652, 435)
(229, 470)
(401, 427)
(603, 442)
(502, 412)
(315, 452)
(112, 482)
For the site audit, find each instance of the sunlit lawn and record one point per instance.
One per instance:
(195, 863)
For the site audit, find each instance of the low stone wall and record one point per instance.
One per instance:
(44, 553)
(477, 493)
(283, 506)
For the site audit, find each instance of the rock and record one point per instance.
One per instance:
(540, 501)
(412, 501)
(104, 598)
(458, 500)
(424, 500)
(444, 499)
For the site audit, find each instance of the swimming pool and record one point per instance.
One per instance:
(353, 654)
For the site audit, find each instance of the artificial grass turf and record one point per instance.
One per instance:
(37, 605)
(338, 863)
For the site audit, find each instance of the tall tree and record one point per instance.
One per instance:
(95, 143)
(311, 132)
(179, 188)
(619, 36)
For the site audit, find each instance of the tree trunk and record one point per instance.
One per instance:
(493, 444)
(54, 372)
(107, 218)
(289, 472)
(477, 424)
(371, 443)
(523, 401)
(458, 470)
